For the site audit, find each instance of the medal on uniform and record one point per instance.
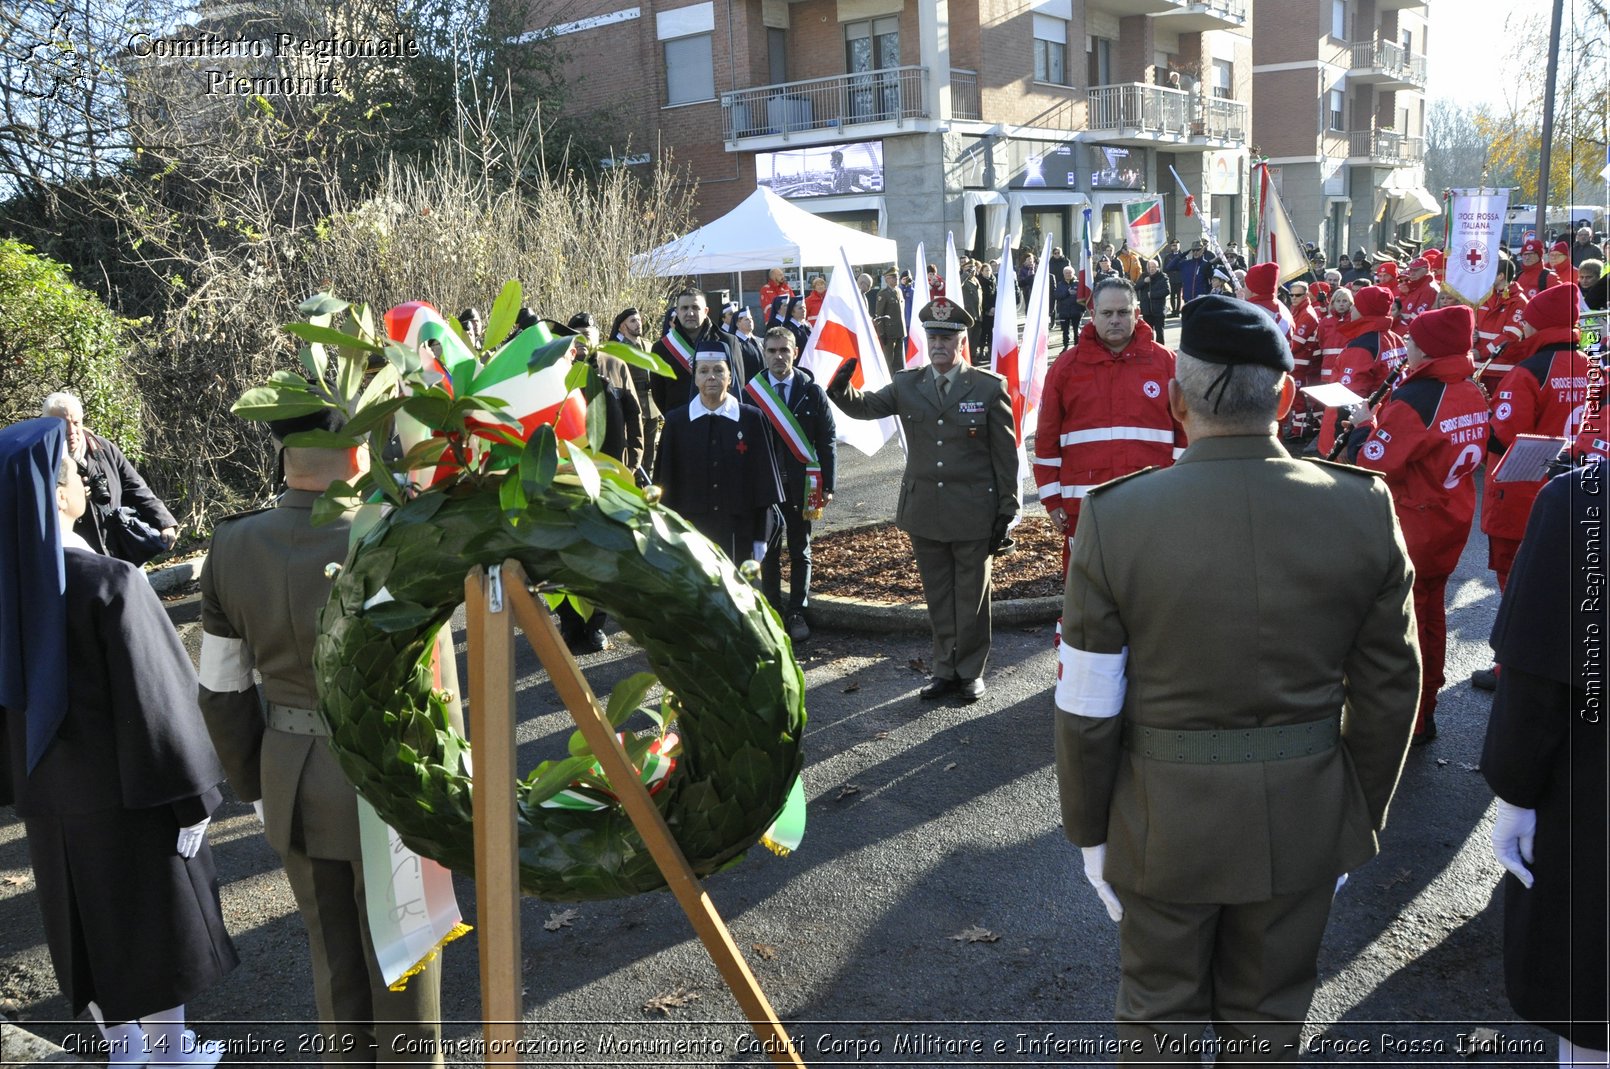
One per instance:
(743, 446)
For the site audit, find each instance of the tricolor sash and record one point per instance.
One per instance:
(786, 424)
(680, 348)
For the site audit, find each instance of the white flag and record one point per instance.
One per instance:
(843, 330)
(1475, 223)
(1277, 237)
(916, 338)
(953, 270)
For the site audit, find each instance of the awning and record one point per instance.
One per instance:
(1414, 204)
(995, 209)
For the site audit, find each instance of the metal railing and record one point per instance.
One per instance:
(893, 94)
(1229, 10)
(1389, 58)
(1386, 145)
(1164, 112)
(965, 103)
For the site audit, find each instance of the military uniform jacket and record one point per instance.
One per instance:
(961, 454)
(889, 313)
(261, 593)
(1180, 615)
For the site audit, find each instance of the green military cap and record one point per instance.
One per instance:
(940, 315)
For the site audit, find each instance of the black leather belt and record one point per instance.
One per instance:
(1233, 746)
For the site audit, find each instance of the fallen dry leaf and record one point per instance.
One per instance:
(877, 563)
(852, 688)
(1468, 767)
(975, 934)
(14, 881)
(848, 789)
(766, 951)
(881, 735)
(950, 766)
(560, 920)
(664, 1004)
(917, 664)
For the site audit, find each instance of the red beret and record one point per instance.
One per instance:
(1532, 246)
(1388, 269)
(1373, 301)
(1560, 247)
(1320, 290)
(1261, 279)
(1444, 331)
(1432, 257)
(1556, 306)
(1419, 261)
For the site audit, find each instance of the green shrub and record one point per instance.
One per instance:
(54, 335)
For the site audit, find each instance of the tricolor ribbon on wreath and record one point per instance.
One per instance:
(787, 426)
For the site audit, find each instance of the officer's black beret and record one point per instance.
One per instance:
(1227, 330)
(325, 419)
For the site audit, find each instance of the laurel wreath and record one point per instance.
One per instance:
(577, 521)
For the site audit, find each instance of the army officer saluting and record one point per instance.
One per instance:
(959, 492)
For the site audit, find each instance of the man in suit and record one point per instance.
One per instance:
(691, 332)
(1225, 753)
(261, 592)
(889, 316)
(802, 435)
(959, 492)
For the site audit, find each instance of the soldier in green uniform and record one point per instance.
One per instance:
(1226, 749)
(261, 589)
(959, 492)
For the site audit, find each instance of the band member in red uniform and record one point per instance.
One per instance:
(1428, 439)
(1534, 277)
(1498, 327)
(1417, 293)
(1370, 352)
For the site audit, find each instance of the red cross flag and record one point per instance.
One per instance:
(1475, 223)
(843, 330)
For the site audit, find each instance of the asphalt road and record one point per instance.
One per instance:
(926, 822)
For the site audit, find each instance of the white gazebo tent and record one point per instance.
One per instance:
(764, 231)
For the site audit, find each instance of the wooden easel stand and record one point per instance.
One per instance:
(494, 603)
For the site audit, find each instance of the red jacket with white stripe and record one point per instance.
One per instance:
(1370, 352)
(1545, 394)
(1414, 298)
(1103, 416)
(1304, 339)
(1498, 323)
(1428, 438)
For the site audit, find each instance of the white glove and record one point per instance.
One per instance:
(1095, 857)
(190, 838)
(257, 807)
(757, 551)
(1513, 832)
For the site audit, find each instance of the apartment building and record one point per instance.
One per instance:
(1341, 86)
(911, 118)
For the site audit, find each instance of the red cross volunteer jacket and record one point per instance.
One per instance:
(1545, 394)
(1428, 439)
(1103, 415)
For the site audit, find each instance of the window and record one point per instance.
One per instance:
(1223, 79)
(690, 73)
(1338, 19)
(872, 45)
(1408, 43)
(1050, 49)
(1338, 107)
(1100, 57)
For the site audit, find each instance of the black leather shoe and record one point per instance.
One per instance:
(937, 688)
(971, 690)
(1485, 678)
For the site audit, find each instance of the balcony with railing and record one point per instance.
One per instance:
(1139, 114)
(1204, 15)
(1386, 148)
(965, 102)
(1133, 7)
(818, 110)
(1387, 65)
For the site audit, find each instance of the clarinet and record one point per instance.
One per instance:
(1375, 398)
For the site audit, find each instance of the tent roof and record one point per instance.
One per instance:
(764, 231)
